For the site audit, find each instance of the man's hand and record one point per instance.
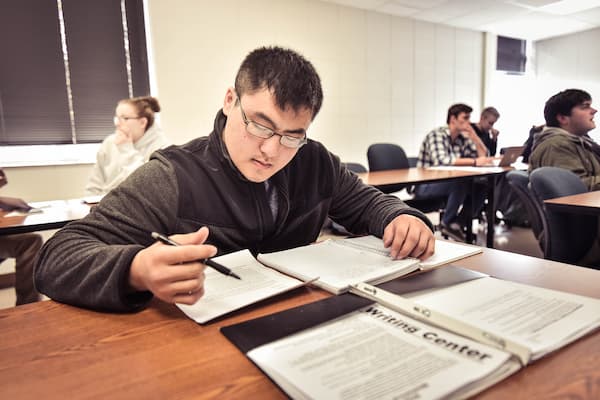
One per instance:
(13, 203)
(483, 161)
(122, 137)
(468, 131)
(494, 133)
(408, 236)
(173, 274)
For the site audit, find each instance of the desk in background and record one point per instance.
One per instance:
(51, 350)
(583, 203)
(415, 176)
(54, 214)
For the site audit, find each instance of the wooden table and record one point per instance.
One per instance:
(54, 214)
(55, 351)
(413, 176)
(584, 203)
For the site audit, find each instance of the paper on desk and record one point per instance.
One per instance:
(445, 251)
(20, 213)
(224, 294)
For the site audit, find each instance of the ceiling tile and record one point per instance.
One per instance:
(513, 18)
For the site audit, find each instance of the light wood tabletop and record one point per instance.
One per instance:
(54, 351)
(426, 175)
(413, 176)
(583, 203)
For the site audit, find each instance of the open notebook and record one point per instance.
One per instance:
(333, 265)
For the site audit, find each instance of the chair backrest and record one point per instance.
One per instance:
(519, 182)
(384, 156)
(355, 167)
(568, 236)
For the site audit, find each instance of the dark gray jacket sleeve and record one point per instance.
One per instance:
(87, 262)
(362, 209)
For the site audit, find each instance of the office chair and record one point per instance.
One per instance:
(385, 156)
(567, 236)
(519, 182)
(329, 223)
(355, 167)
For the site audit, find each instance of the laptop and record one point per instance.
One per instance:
(509, 155)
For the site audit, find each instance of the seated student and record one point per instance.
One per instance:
(565, 143)
(121, 153)
(22, 247)
(255, 182)
(453, 144)
(485, 129)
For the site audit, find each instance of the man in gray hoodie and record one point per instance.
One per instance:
(565, 143)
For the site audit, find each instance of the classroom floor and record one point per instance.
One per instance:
(514, 239)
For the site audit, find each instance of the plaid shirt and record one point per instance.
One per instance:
(438, 148)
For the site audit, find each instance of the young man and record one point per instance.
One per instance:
(255, 182)
(22, 247)
(565, 142)
(485, 129)
(453, 144)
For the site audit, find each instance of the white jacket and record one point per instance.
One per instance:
(114, 162)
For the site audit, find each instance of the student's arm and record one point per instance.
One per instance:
(13, 203)
(469, 133)
(363, 209)
(87, 263)
(475, 152)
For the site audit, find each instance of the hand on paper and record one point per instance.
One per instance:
(173, 273)
(408, 236)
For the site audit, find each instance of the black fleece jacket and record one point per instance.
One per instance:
(183, 188)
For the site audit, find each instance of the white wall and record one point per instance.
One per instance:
(46, 183)
(385, 78)
(571, 61)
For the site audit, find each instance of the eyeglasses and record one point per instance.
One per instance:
(117, 119)
(256, 129)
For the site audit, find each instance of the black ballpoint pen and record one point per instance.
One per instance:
(221, 268)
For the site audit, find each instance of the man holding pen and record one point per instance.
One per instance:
(255, 182)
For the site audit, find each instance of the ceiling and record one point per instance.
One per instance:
(522, 19)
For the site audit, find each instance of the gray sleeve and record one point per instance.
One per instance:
(363, 209)
(87, 263)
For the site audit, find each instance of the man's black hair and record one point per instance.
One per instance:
(562, 103)
(456, 109)
(289, 76)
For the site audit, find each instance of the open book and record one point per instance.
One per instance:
(337, 264)
(370, 350)
(223, 294)
(340, 263)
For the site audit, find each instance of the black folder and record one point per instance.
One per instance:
(257, 332)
